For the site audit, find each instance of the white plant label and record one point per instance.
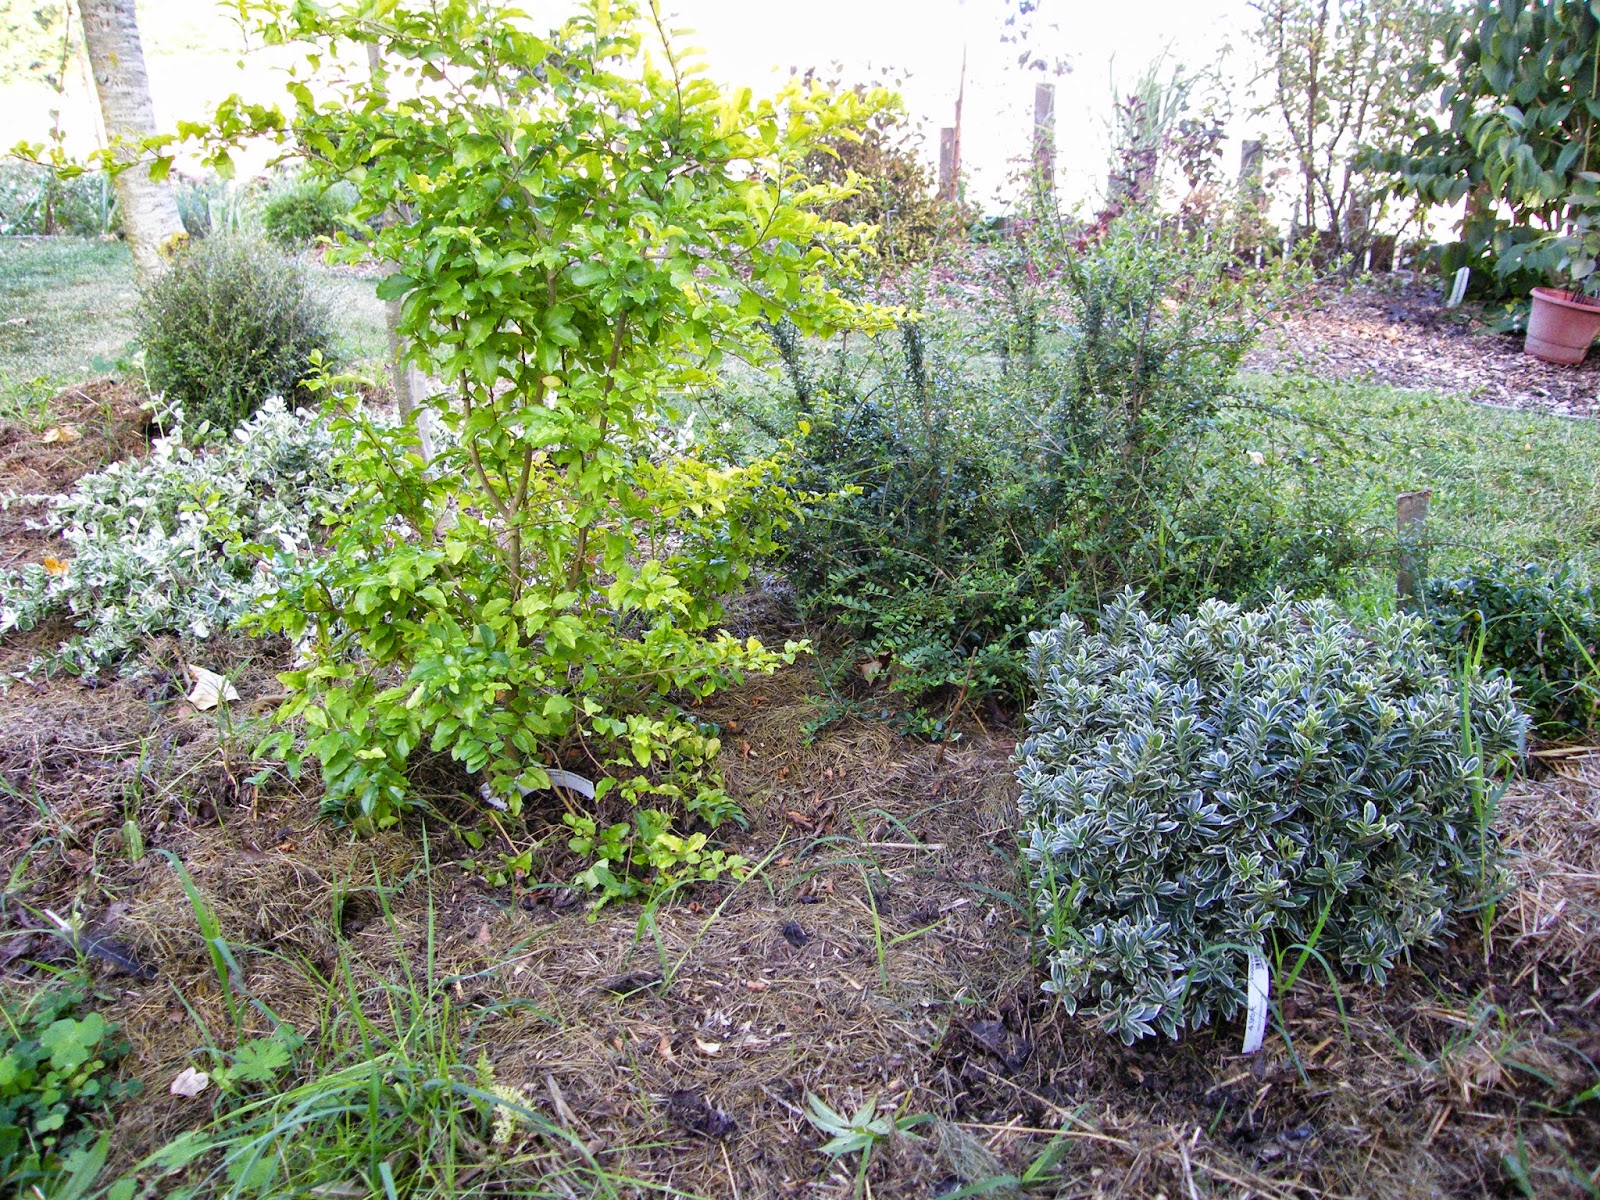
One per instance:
(558, 779)
(573, 783)
(1257, 989)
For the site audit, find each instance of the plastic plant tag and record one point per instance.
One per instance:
(573, 783)
(558, 779)
(1257, 989)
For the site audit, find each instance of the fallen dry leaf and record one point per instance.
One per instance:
(190, 1082)
(756, 985)
(665, 1049)
(210, 689)
(484, 937)
(64, 434)
(708, 1047)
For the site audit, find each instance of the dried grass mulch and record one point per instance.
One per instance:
(879, 951)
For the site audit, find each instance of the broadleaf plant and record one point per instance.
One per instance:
(1231, 781)
(582, 225)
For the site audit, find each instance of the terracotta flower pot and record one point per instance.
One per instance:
(1560, 330)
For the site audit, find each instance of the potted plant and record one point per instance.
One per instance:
(1562, 325)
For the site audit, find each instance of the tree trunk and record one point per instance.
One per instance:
(407, 382)
(149, 212)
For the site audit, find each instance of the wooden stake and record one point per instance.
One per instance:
(1411, 562)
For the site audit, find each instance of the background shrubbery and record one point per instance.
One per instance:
(231, 323)
(299, 213)
(34, 200)
(1539, 626)
(973, 477)
(1246, 781)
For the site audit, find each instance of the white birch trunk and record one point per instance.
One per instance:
(149, 212)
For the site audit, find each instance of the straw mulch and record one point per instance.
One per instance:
(879, 950)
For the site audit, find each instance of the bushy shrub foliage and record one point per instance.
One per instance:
(34, 200)
(591, 225)
(974, 474)
(1234, 781)
(231, 323)
(299, 213)
(177, 542)
(1540, 626)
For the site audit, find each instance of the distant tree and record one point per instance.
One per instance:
(895, 190)
(1519, 141)
(1347, 76)
(150, 216)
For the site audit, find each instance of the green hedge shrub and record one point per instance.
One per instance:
(302, 212)
(1233, 781)
(1540, 626)
(968, 484)
(231, 323)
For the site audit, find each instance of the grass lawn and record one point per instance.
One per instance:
(1506, 483)
(66, 315)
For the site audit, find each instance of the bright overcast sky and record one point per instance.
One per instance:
(192, 51)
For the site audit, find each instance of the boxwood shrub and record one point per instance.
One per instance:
(232, 323)
(1234, 781)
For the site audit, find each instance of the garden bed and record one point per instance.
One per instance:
(878, 950)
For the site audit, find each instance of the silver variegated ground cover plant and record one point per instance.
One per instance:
(1233, 781)
(182, 541)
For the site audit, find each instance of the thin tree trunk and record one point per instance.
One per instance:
(149, 212)
(406, 381)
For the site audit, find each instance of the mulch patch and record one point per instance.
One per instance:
(1396, 332)
(879, 951)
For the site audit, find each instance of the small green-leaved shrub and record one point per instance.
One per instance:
(1235, 781)
(591, 226)
(1541, 626)
(177, 542)
(53, 1084)
(231, 323)
(301, 212)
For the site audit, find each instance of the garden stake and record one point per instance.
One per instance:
(1410, 522)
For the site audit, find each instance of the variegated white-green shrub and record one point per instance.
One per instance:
(1239, 781)
(178, 542)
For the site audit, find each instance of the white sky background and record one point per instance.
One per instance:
(192, 51)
